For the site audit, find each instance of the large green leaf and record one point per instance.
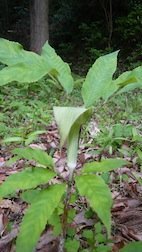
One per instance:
(29, 178)
(129, 80)
(103, 166)
(98, 194)
(55, 221)
(25, 66)
(31, 196)
(130, 87)
(69, 121)
(36, 217)
(135, 246)
(23, 72)
(124, 79)
(12, 53)
(63, 72)
(138, 73)
(38, 155)
(98, 82)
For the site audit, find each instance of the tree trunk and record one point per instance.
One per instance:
(39, 24)
(4, 18)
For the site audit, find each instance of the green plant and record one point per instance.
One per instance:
(132, 246)
(31, 67)
(113, 137)
(45, 200)
(26, 139)
(96, 239)
(48, 200)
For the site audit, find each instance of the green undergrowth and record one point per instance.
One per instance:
(119, 124)
(25, 108)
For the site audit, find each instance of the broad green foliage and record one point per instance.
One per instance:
(133, 246)
(29, 178)
(124, 78)
(130, 87)
(46, 205)
(55, 222)
(30, 195)
(36, 217)
(98, 194)
(23, 72)
(98, 80)
(12, 53)
(129, 80)
(63, 72)
(103, 166)
(24, 66)
(37, 155)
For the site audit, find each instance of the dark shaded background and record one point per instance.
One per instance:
(79, 29)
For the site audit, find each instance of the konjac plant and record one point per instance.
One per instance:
(49, 199)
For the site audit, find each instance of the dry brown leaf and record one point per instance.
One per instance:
(14, 207)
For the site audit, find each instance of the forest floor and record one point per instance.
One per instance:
(114, 131)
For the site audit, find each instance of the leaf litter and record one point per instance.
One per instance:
(125, 187)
